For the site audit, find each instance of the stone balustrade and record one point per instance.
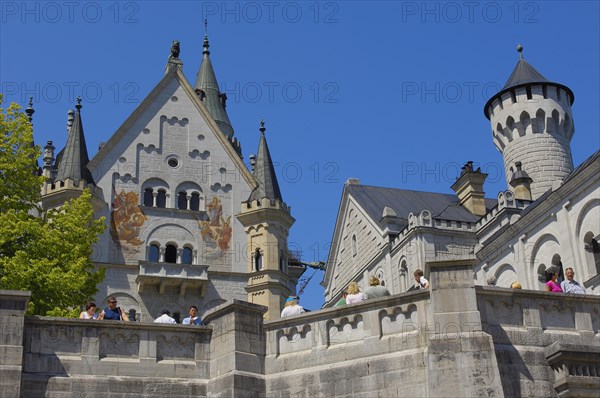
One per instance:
(453, 339)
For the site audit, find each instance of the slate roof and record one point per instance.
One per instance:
(73, 159)
(264, 172)
(206, 81)
(442, 206)
(525, 74)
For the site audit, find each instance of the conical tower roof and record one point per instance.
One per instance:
(206, 81)
(522, 75)
(264, 172)
(75, 157)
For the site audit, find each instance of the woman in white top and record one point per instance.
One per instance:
(90, 311)
(291, 308)
(354, 294)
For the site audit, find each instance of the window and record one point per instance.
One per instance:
(161, 198)
(354, 251)
(281, 261)
(148, 197)
(257, 260)
(186, 256)
(195, 201)
(182, 201)
(171, 254)
(153, 253)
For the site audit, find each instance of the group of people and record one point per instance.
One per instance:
(113, 312)
(110, 312)
(192, 319)
(376, 289)
(569, 285)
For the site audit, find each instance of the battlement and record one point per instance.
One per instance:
(265, 203)
(537, 109)
(50, 188)
(55, 194)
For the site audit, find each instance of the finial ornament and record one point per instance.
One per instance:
(262, 127)
(30, 111)
(520, 50)
(78, 106)
(175, 49)
(205, 26)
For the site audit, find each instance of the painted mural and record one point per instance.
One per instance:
(126, 220)
(216, 231)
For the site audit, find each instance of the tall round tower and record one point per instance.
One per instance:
(532, 123)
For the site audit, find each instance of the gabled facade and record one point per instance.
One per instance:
(170, 183)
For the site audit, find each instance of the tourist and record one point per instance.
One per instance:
(551, 284)
(291, 308)
(420, 281)
(342, 301)
(165, 317)
(112, 312)
(90, 311)
(193, 319)
(570, 285)
(354, 294)
(375, 290)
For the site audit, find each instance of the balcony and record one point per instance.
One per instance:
(184, 277)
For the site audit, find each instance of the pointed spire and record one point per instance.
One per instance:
(30, 111)
(75, 156)
(264, 172)
(522, 75)
(207, 89)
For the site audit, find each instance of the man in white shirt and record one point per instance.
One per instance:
(570, 285)
(165, 318)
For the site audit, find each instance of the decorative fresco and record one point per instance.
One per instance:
(216, 231)
(126, 219)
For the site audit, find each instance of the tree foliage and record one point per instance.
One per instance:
(47, 253)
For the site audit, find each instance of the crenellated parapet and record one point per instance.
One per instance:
(56, 193)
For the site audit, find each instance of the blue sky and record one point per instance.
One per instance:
(391, 93)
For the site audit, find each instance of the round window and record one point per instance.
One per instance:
(173, 162)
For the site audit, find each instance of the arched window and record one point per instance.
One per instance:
(186, 256)
(557, 263)
(404, 277)
(592, 252)
(161, 198)
(195, 201)
(281, 261)
(148, 197)
(153, 253)
(182, 201)
(257, 260)
(354, 250)
(171, 254)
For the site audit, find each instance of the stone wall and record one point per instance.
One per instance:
(452, 340)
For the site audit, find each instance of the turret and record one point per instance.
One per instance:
(267, 221)
(72, 175)
(532, 123)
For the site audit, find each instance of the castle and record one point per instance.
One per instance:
(188, 222)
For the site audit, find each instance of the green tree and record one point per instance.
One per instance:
(47, 253)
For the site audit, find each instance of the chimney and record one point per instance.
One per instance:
(521, 183)
(469, 189)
